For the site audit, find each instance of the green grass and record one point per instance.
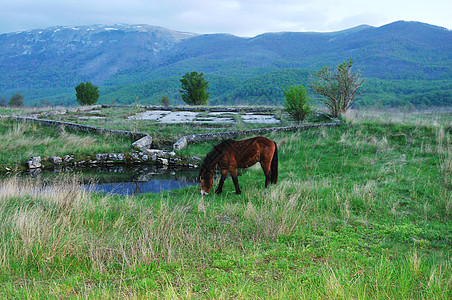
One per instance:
(20, 141)
(360, 211)
(163, 134)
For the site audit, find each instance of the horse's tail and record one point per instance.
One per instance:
(274, 166)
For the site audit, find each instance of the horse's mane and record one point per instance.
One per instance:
(212, 158)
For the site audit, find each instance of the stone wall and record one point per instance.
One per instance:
(84, 128)
(196, 138)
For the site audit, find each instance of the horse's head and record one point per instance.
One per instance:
(206, 185)
(208, 167)
(206, 179)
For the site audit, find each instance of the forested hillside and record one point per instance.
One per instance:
(404, 63)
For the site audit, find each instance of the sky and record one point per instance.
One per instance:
(244, 18)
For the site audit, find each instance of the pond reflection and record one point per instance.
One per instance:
(136, 187)
(127, 180)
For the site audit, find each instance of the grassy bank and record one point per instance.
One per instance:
(20, 141)
(360, 211)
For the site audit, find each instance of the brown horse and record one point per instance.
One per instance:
(230, 155)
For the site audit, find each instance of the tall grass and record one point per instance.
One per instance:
(20, 141)
(360, 211)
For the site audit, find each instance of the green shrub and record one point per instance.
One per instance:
(87, 93)
(297, 103)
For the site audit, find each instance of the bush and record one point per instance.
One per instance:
(165, 101)
(17, 100)
(3, 102)
(194, 89)
(297, 103)
(87, 94)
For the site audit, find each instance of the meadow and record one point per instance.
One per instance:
(360, 211)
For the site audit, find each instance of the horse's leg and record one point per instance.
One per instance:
(235, 180)
(265, 165)
(224, 173)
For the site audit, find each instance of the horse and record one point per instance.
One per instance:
(230, 155)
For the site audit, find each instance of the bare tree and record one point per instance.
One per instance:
(339, 88)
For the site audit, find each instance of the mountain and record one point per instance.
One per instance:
(403, 63)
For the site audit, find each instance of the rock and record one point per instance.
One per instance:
(112, 156)
(163, 161)
(115, 156)
(156, 152)
(56, 160)
(68, 158)
(181, 143)
(143, 143)
(145, 157)
(34, 162)
(101, 157)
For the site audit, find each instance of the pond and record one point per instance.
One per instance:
(127, 180)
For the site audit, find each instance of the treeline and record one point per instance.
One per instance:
(397, 93)
(254, 86)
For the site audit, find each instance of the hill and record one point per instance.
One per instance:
(403, 62)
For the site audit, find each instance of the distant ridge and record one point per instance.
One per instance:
(145, 62)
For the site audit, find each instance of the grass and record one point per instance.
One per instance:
(360, 211)
(20, 141)
(163, 134)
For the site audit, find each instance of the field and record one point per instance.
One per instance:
(360, 211)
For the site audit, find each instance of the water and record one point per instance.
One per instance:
(128, 180)
(135, 187)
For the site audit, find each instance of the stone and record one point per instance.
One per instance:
(143, 143)
(155, 152)
(56, 160)
(181, 143)
(163, 161)
(68, 158)
(34, 162)
(101, 157)
(115, 156)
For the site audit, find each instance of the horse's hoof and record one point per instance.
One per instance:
(218, 192)
(238, 192)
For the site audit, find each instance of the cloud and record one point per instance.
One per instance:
(239, 17)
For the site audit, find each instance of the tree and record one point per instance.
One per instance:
(3, 102)
(297, 103)
(194, 89)
(87, 93)
(165, 101)
(338, 88)
(16, 100)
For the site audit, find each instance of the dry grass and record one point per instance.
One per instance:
(421, 118)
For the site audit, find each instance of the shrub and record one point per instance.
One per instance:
(87, 93)
(297, 103)
(194, 89)
(165, 101)
(17, 100)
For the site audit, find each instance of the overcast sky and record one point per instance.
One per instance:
(238, 17)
